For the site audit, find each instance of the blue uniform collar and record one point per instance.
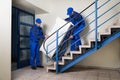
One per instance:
(35, 26)
(74, 14)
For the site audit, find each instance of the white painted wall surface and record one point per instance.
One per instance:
(5, 39)
(57, 8)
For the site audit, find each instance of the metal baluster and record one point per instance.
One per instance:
(57, 51)
(96, 24)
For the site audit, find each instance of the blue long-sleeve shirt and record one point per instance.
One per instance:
(36, 33)
(78, 21)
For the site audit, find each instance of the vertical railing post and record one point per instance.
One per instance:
(47, 54)
(57, 52)
(96, 23)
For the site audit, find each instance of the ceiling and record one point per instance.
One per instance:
(25, 5)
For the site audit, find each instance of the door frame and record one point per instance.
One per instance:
(23, 63)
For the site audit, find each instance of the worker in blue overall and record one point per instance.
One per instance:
(36, 34)
(79, 25)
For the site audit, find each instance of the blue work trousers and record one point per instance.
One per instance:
(34, 54)
(75, 43)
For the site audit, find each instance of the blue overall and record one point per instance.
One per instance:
(79, 25)
(36, 34)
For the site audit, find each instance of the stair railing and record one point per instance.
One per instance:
(78, 23)
(56, 32)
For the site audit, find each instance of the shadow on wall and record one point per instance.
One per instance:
(85, 31)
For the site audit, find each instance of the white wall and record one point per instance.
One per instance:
(58, 8)
(43, 4)
(5, 39)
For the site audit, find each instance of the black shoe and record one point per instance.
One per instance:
(40, 66)
(34, 68)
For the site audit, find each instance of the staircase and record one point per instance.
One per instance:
(101, 39)
(85, 50)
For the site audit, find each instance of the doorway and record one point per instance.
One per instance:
(22, 21)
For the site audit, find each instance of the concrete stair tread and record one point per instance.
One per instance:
(115, 26)
(61, 63)
(66, 57)
(75, 52)
(51, 67)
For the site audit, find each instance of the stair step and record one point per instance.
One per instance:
(104, 37)
(114, 30)
(75, 52)
(115, 26)
(92, 44)
(51, 67)
(66, 57)
(85, 46)
(84, 50)
(61, 63)
(67, 61)
(76, 56)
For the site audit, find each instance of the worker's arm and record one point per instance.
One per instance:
(41, 34)
(38, 33)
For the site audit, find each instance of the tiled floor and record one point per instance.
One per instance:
(71, 74)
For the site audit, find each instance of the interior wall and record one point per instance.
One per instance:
(5, 40)
(43, 4)
(58, 9)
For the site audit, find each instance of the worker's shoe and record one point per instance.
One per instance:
(40, 66)
(33, 67)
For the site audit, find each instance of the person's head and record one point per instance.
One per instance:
(70, 11)
(38, 21)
